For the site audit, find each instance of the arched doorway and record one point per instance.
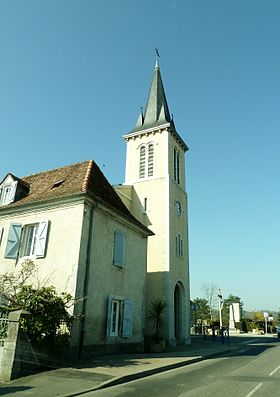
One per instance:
(178, 313)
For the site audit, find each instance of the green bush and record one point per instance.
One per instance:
(47, 311)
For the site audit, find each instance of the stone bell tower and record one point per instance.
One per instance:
(154, 190)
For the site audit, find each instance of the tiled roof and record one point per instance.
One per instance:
(79, 178)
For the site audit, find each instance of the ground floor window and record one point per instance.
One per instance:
(119, 317)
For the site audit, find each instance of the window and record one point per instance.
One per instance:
(119, 317)
(142, 164)
(115, 307)
(57, 184)
(151, 160)
(119, 249)
(145, 204)
(30, 239)
(179, 246)
(7, 192)
(146, 163)
(27, 240)
(176, 166)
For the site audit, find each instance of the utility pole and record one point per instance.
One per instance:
(220, 306)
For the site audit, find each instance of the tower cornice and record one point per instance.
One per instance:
(155, 130)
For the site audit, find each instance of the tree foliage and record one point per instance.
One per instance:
(47, 309)
(202, 310)
(226, 304)
(47, 312)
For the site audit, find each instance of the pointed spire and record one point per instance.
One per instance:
(156, 112)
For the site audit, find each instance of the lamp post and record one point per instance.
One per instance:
(220, 306)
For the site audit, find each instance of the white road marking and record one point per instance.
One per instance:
(273, 372)
(247, 342)
(255, 389)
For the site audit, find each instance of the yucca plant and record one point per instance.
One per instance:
(155, 316)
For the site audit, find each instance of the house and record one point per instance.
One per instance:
(155, 192)
(72, 223)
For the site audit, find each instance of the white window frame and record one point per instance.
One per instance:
(7, 192)
(119, 317)
(29, 239)
(115, 317)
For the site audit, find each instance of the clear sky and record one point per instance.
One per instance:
(74, 74)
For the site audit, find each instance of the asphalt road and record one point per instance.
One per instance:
(253, 371)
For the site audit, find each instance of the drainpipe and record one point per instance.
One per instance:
(88, 210)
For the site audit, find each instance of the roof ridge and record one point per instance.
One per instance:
(87, 176)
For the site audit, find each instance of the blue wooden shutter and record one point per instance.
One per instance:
(119, 249)
(127, 318)
(13, 241)
(41, 239)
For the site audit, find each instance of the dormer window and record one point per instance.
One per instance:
(7, 192)
(57, 183)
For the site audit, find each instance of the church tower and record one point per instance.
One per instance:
(155, 192)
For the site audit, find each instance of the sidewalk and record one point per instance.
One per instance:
(105, 371)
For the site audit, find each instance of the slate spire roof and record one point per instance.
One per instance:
(156, 112)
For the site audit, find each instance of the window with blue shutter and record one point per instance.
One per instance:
(119, 249)
(119, 317)
(13, 241)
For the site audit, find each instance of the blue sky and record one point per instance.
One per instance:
(74, 74)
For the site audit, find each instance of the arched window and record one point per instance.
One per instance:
(151, 160)
(176, 166)
(142, 163)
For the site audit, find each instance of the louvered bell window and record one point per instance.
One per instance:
(151, 160)
(142, 162)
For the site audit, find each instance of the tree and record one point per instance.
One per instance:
(211, 296)
(202, 310)
(226, 304)
(47, 309)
